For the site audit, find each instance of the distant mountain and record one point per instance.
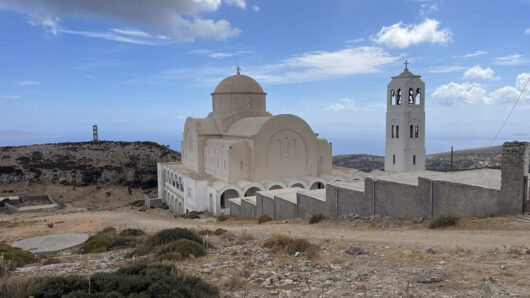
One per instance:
(477, 158)
(86, 163)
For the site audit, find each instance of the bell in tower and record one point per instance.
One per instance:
(405, 123)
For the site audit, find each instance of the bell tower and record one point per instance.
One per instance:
(405, 123)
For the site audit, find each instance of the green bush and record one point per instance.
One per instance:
(132, 232)
(180, 249)
(109, 230)
(171, 235)
(264, 219)
(122, 242)
(97, 243)
(443, 221)
(317, 218)
(133, 281)
(15, 257)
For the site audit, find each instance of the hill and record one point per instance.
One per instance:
(477, 158)
(86, 163)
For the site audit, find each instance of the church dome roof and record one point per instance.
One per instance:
(238, 84)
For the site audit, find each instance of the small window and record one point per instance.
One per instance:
(393, 131)
(397, 131)
(398, 99)
(411, 131)
(411, 96)
(414, 159)
(394, 159)
(418, 96)
(417, 131)
(393, 96)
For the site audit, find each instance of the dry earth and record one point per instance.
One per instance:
(477, 257)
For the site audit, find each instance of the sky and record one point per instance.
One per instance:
(138, 68)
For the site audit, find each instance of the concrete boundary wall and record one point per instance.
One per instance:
(432, 195)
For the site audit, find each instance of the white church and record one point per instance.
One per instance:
(240, 148)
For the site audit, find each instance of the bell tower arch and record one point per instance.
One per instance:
(405, 123)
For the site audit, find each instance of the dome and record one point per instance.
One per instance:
(238, 84)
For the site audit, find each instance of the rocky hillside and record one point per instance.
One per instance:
(88, 163)
(477, 158)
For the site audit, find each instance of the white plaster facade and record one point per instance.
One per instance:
(240, 148)
(405, 123)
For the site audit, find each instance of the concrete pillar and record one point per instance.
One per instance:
(514, 168)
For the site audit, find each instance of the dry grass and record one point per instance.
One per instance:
(17, 286)
(281, 243)
(264, 219)
(222, 217)
(235, 282)
(313, 252)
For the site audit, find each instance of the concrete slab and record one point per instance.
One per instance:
(51, 243)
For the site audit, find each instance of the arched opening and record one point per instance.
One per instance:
(417, 131)
(393, 96)
(414, 159)
(252, 191)
(397, 131)
(411, 131)
(398, 99)
(299, 185)
(418, 96)
(227, 195)
(411, 96)
(211, 204)
(317, 185)
(393, 131)
(181, 187)
(394, 159)
(181, 208)
(276, 186)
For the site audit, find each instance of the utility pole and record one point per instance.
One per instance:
(451, 158)
(95, 133)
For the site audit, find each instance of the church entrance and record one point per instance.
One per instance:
(252, 191)
(317, 185)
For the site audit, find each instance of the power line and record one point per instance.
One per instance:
(509, 114)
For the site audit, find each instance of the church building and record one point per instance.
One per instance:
(239, 149)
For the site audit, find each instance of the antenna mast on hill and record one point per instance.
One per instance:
(95, 133)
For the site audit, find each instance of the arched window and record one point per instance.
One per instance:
(397, 131)
(411, 131)
(393, 131)
(417, 131)
(393, 97)
(394, 159)
(418, 96)
(411, 96)
(398, 99)
(413, 159)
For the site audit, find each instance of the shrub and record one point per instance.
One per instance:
(132, 232)
(109, 230)
(264, 219)
(137, 203)
(97, 243)
(171, 235)
(287, 244)
(50, 261)
(313, 252)
(132, 281)
(15, 257)
(317, 218)
(122, 242)
(180, 249)
(192, 215)
(223, 217)
(219, 231)
(443, 221)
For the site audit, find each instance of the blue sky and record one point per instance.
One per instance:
(138, 68)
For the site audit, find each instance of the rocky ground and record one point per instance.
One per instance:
(358, 257)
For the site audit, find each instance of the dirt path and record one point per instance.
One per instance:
(27, 225)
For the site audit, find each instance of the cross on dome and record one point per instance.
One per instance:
(238, 69)
(406, 64)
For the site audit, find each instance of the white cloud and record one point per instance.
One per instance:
(474, 93)
(474, 54)
(341, 105)
(9, 97)
(305, 67)
(515, 59)
(400, 35)
(178, 20)
(255, 8)
(120, 35)
(220, 54)
(357, 40)
(28, 83)
(239, 3)
(477, 72)
(428, 6)
(446, 69)
(469, 93)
